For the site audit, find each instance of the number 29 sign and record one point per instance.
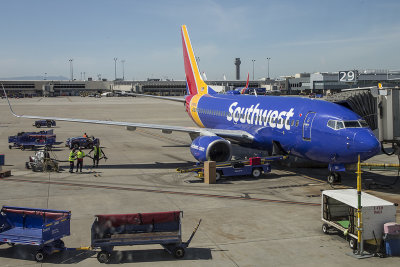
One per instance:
(348, 76)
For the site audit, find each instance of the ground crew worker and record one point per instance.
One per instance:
(85, 135)
(98, 152)
(72, 158)
(80, 155)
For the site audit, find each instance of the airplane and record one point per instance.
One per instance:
(307, 128)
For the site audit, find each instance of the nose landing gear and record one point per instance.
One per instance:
(334, 178)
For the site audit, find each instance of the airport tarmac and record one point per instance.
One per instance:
(270, 221)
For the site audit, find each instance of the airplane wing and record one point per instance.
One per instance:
(233, 134)
(177, 99)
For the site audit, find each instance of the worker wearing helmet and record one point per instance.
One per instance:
(71, 159)
(80, 155)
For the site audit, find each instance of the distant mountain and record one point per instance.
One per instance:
(35, 78)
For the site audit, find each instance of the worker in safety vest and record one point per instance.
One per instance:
(71, 159)
(98, 154)
(85, 135)
(80, 155)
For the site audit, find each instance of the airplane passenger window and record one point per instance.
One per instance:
(292, 123)
(339, 125)
(297, 123)
(352, 124)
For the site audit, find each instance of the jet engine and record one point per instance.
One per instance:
(212, 148)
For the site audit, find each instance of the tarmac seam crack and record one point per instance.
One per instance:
(263, 200)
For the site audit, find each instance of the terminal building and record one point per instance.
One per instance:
(324, 83)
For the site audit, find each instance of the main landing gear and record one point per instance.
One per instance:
(334, 178)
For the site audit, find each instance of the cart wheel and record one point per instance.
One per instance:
(179, 252)
(75, 145)
(39, 256)
(218, 175)
(22, 147)
(325, 228)
(9, 146)
(37, 125)
(48, 124)
(331, 178)
(11, 244)
(353, 243)
(256, 172)
(103, 256)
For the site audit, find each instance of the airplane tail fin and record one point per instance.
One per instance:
(243, 91)
(194, 83)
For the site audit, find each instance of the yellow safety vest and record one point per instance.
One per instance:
(72, 156)
(80, 154)
(97, 151)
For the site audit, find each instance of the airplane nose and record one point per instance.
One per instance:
(366, 144)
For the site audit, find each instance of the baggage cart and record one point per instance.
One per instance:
(162, 228)
(24, 140)
(339, 212)
(42, 228)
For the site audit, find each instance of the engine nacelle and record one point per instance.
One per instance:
(212, 148)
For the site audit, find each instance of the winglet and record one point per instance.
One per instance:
(4, 90)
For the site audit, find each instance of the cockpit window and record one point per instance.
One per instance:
(352, 124)
(364, 123)
(337, 125)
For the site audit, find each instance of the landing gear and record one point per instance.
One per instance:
(334, 178)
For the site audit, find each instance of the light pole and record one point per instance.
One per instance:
(115, 68)
(71, 68)
(253, 67)
(268, 59)
(45, 76)
(123, 69)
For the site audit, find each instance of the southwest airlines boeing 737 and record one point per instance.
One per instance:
(307, 128)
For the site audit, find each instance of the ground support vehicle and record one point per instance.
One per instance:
(83, 142)
(42, 228)
(162, 228)
(255, 166)
(45, 123)
(42, 161)
(24, 140)
(339, 214)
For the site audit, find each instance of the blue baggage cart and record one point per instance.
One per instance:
(42, 228)
(32, 140)
(162, 228)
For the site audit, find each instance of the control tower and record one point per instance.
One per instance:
(237, 64)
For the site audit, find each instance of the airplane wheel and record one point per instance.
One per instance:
(331, 178)
(338, 177)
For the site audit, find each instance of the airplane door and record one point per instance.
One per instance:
(307, 126)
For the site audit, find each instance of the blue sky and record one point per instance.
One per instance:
(40, 36)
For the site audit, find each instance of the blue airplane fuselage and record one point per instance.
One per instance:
(299, 125)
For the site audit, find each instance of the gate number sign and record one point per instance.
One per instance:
(348, 76)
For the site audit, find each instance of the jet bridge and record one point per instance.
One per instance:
(380, 108)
